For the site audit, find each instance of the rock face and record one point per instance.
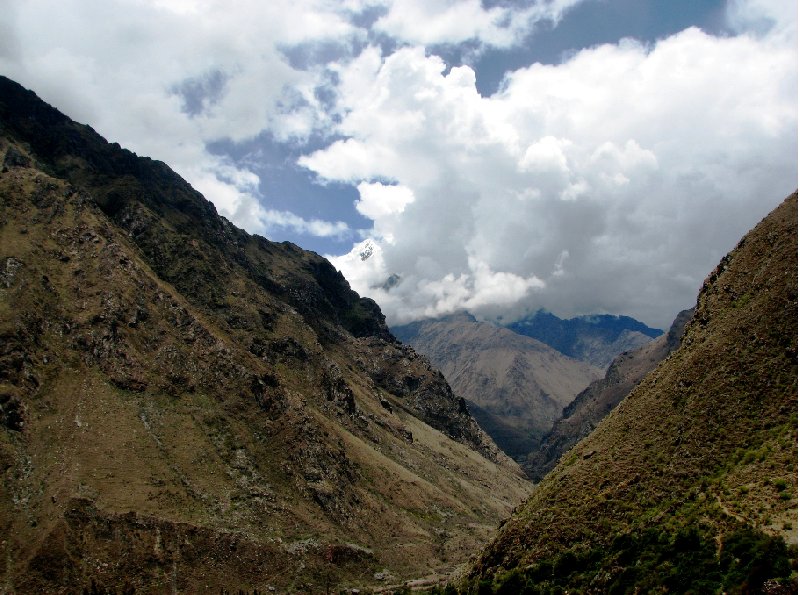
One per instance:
(515, 386)
(596, 339)
(690, 484)
(597, 400)
(184, 406)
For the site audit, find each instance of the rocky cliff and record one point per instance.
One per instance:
(690, 484)
(187, 407)
(515, 386)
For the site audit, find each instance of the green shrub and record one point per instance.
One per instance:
(780, 484)
(750, 557)
(681, 561)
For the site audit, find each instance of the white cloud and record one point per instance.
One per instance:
(478, 288)
(383, 204)
(433, 22)
(614, 181)
(315, 227)
(125, 66)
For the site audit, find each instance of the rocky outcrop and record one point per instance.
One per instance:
(596, 401)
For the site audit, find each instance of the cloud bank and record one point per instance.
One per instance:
(611, 182)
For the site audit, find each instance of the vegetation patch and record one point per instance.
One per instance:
(687, 561)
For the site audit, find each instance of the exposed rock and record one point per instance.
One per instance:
(15, 158)
(8, 273)
(337, 390)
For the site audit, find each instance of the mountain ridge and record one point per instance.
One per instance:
(593, 338)
(184, 406)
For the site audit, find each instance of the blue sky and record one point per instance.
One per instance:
(586, 156)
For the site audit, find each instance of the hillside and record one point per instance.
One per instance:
(690, 484)
(515, 386)
(597, 400)
(595, 339)
(185, 407)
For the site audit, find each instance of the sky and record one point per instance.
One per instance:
(582, 156)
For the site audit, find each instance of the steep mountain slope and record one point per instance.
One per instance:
(187, 407)
(583, 414)
(596, 339)
(515, 386)
(690, 484)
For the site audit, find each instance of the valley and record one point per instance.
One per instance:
(186, 407)
(515, 386)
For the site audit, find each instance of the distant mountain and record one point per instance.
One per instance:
(188, 408)
(595, 402)
(515, 386)
(690, 484)
(596, 339)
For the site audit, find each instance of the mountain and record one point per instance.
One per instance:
(187, 407)
(596, 339)
(690, 484)
(597, 400)
(515, 386)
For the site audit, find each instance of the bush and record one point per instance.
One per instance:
(750, 557)
(682, 561)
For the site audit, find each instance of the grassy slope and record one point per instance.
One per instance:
(691, 482)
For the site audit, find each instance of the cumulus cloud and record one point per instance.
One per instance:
(611, 182)
(383, 204)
